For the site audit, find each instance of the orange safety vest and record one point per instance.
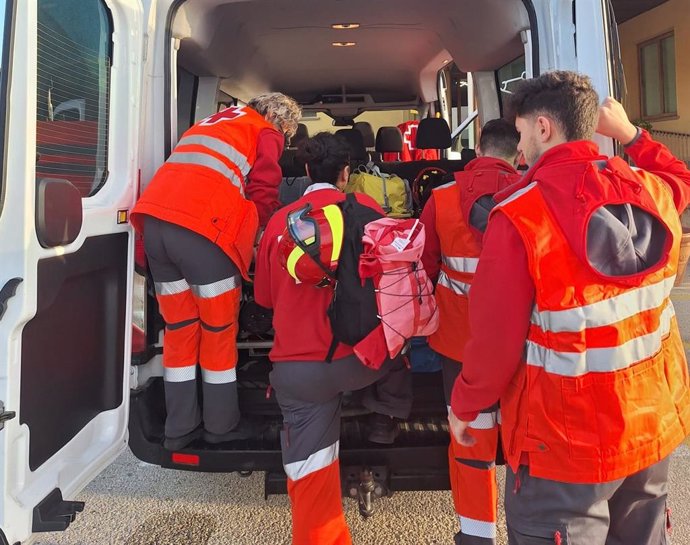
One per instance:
(201, 185)
(459, 253)
(603, 391)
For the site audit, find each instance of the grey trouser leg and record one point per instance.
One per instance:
(183, 414)
(638, 508)
(391, 394)
(630, 511)
(179, 256)
(221, 407)
(309, 395)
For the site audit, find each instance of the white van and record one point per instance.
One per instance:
(93, 96)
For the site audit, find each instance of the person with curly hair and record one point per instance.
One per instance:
(200, 216)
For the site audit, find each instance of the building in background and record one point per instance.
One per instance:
(655, 49)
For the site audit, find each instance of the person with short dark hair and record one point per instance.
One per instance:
(572, 326)
(499, 139)
(455, 218)
(309, 390)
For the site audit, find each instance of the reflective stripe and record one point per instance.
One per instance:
(604, 312)
(477, 528)
(179, 374)
(207, 291)
(601, 360)
(218, 377)
(220, 147)
(455, 286)
(485, 421)
(318, 460)
(208, 161)
(461, 264)
(171, 288)
(518, 193)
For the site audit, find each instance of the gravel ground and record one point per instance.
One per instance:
(133, 503)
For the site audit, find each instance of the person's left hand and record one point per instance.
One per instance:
(459, 430)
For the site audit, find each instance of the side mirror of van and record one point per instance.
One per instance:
(58, 212)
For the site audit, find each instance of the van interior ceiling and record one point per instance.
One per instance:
(247, 47)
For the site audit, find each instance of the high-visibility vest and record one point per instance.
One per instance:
(460, 250)
(603, 391)
(201, 185)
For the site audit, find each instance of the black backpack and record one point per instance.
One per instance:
(353, 313)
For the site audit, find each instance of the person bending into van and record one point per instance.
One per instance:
(199, 216)
(455, 219)
(309, 390)
(573, 327)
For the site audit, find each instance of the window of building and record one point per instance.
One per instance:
(74, 58)
(658, 77)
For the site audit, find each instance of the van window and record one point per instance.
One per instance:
(5, 36)
(508, 76)
(456, 94)
(74, 59)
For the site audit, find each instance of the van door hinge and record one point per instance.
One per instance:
(8, 291)
(5, 415)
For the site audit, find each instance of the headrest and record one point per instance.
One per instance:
(433, 133)
(468, 154)
(389, 139)
(367, 133)
(301, 134)
(355, 139)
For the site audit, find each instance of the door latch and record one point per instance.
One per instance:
(5, 415)
(7, 292)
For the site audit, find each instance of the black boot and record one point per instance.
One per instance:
(383, 429)
(178, 443)
(244, 430)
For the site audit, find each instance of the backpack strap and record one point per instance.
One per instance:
(350, 199)
(332, 349)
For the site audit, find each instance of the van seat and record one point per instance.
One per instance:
(432, 133)
(389, 143)
(367, 134)
(355, 140)
(289, 163)
(300, 136)
(369, 139)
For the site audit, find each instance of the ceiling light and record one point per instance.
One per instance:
(345, 26)
(343, 44)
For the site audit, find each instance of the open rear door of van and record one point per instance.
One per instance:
(70, 88)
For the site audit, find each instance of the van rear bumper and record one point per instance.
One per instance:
(418, 460)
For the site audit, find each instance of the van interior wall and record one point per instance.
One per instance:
(255, 46)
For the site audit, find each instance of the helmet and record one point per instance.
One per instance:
(311, 243)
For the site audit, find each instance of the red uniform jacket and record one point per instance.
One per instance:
(502, 296)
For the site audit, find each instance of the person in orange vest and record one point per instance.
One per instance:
(309, 390)
(572, 325)
(455, 219)
(199, 216)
